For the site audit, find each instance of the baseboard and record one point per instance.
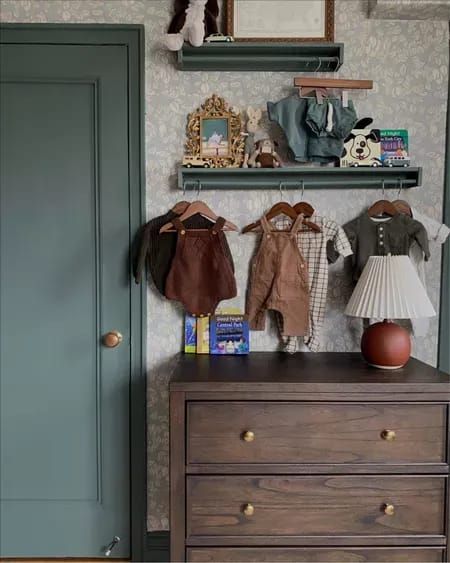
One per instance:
(157, 547)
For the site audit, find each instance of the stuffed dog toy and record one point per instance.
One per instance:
(193, 21)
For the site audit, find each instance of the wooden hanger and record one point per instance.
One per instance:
(402, 206)
(339, 83)
(180, 207)
(382, 207)
(303, 206)
(320, 93)
(281, 208)
(193, 209)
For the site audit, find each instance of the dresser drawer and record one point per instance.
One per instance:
(276, 432)
(319, 555)
(314, 506)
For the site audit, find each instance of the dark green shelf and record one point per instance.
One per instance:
(292, 178)
(248, 56)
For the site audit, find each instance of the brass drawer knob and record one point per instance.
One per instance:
(389, 509)
(248, 436)
(112, 339)
(248, 509)
(388, 435)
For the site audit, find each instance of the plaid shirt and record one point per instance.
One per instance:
(313, 247)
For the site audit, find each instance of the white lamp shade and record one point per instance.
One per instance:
(389, 288)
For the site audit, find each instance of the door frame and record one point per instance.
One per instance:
(131, 36)
(444, 317)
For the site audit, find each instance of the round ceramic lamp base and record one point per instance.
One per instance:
(386, 345)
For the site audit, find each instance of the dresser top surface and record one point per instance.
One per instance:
(302, 372)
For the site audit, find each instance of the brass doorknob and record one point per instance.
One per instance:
(248, 436)
(249, 509)
(389, 509)
(388, 435)
(112, 339)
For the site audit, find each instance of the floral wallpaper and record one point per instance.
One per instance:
(408, 62)
(410, 9)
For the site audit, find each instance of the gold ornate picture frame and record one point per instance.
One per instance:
(214, 135)
(280, 20)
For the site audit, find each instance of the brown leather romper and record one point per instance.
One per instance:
(201, 274)
(279, 281)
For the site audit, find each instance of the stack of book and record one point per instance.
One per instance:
(226, 332)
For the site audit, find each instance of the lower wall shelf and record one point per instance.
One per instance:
(295, 177)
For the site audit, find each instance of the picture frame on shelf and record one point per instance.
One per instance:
(280, 20)
(215, 135)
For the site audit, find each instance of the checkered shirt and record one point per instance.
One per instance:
(313, 247)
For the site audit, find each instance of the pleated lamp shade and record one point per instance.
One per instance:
(389, 288)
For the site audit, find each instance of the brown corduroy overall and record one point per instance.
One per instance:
(279, 281)
(201, 274)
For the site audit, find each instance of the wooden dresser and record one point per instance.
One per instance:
(312, 457)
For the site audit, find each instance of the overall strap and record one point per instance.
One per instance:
(218, 225)
(178, 224)
(297, 225)
(266, 227)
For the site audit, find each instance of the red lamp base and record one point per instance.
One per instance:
(386, 345)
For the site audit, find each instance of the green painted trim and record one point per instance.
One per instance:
(133, 37)
(292, 178)
(444, 328)
(248, 56)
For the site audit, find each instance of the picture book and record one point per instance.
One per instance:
(361, 148)
(394, 143)
(229, 334)
(190, 334)
(203, 335)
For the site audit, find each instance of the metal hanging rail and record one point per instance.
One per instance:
(293, 178)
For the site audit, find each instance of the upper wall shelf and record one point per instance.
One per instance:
(292, 178)
(247, 56)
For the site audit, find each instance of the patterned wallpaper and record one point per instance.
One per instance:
(408, 61)
(410, 9)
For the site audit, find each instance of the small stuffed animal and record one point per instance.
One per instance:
(193, 20)
(254, 116)
(265, 156)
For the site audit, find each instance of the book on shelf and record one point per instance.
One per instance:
(229, 334)
(203, 335)
(190, 334)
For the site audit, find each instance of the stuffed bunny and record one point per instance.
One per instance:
(253, 127)
(193, 20)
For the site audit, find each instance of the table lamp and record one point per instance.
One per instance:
(389, 288)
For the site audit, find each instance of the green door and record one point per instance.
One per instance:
(64, 283)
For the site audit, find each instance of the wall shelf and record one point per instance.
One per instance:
(292, 177)
(247, 56)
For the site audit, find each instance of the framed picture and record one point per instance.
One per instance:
(214, 135)
(280, 20)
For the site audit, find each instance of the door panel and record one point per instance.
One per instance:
(64, 282)
(43, 273)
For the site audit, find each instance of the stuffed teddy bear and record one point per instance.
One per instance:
(265, 155)
(254, 117)
(193, 20)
